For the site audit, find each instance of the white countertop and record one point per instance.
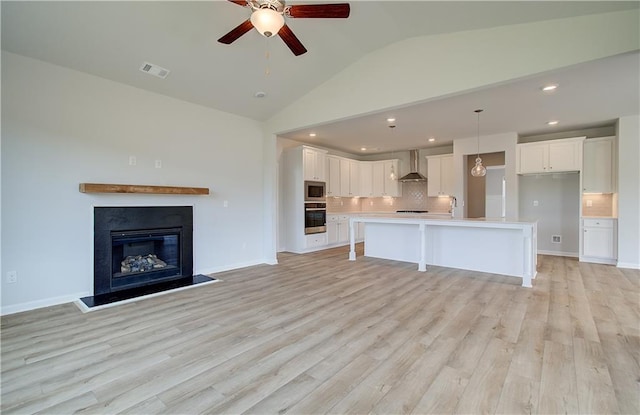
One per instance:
(417, 218)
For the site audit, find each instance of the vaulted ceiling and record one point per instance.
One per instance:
(113, 39)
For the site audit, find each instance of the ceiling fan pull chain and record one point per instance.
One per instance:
(267, 55)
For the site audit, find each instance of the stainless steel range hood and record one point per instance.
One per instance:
(415, 175)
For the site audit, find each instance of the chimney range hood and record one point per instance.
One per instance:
(415, 175)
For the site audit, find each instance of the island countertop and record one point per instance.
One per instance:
(507, 245)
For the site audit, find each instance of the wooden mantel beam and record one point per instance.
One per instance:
(135, 188)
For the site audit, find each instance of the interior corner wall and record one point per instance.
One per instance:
(629, 192)
(62, 127)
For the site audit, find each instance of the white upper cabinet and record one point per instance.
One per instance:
(378, 179)
(381, 183)
(313, 165)
(550, 156)
(440, 175)
(349, 178)
(333, 176)
(391, 186)
(598, 167)
(366, 179)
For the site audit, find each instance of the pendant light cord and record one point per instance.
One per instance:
(478, 136)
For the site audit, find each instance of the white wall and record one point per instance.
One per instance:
(62, 127)
(428, 67)
(558, 210)
(629, 192)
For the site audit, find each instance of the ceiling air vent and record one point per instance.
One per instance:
(154, 70)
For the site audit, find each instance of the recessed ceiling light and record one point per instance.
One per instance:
(431, 139)
(391, 119)
(363, 148)
(260, 94)
(549, 88)
(552, 123)
(312, 134)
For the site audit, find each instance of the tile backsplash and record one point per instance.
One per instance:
(414, 197)
(601, 204)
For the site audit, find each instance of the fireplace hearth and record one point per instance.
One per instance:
(140, 250)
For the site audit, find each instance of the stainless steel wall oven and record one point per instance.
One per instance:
(315, 217)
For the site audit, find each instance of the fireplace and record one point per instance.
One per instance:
(141, 247)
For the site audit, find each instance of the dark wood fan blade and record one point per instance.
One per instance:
(292, 41)
(239, 2)
(340, 10)
(238, 31)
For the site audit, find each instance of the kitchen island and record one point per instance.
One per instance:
(498, 246)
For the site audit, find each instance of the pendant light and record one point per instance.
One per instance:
(478, 170)
(392, 173)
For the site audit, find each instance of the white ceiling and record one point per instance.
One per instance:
(112, 39)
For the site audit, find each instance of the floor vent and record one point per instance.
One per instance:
(154, 70)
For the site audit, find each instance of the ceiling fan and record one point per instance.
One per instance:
(267, 16)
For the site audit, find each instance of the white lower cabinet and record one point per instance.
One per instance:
(315, 240)
(599, 240)
(338, 230)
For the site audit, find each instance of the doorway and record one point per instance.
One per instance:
(476, 192)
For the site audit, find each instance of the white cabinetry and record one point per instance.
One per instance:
(383, 185)
(599, 240)
(333, 176)
(316, 240)
(391, 186)
(366, 179)
(440, 175)
(338, 229)
(378, 180)
(550, 156)
(297, 166)
(314, 161)
(598, 166)
(349, 178)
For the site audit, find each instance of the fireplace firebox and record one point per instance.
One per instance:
(138, 246)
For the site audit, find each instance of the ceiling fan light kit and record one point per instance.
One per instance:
(268, 18)
(266, 21)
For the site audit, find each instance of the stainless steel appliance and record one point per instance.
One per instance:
(314, 191)
(315, 218)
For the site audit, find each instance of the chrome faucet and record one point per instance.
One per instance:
(454, 204)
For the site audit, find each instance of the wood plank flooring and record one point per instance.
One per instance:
(320, 334)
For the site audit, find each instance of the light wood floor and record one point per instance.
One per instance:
(318, 334)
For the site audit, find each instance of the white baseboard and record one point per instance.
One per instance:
(207, 271)
(604, 261)
(628, 265)
(558, 253)
(47, 302)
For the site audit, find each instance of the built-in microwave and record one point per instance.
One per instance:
(314, 191)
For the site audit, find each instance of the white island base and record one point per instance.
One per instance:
(494, 246)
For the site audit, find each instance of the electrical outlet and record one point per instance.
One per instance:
(556, 239)
(225, 203)
(12, 277)
(132, 160)
(158, 164)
